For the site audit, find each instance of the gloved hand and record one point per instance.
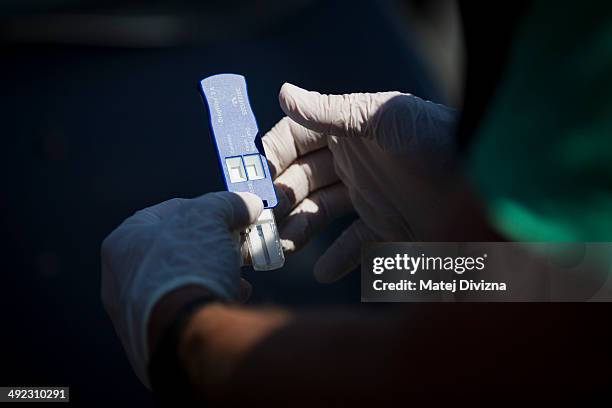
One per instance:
(383, 155)
(159, 249)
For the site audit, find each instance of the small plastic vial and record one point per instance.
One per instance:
(264, 243)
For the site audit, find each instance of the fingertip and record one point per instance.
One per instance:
(253, 204)
(288, 246)
(343, 255)
(288, 88)
(284, 97)
(289, 98)
(323, 273)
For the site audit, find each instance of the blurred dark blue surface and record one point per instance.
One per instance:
(92, 134)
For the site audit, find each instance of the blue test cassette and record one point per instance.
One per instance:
(243, 161)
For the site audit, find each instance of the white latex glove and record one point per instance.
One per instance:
(159, 249)
(373, 153)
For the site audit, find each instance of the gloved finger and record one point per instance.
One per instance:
(156, 213)
(305, 175)
(237, 210)
(313, 214)
(287, 141)
(344, 254)
(337, 115)
(245, 290)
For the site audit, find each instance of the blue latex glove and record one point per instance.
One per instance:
(176, 243)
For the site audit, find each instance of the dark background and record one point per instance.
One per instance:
(95, 128)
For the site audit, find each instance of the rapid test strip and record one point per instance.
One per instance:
(243, 161)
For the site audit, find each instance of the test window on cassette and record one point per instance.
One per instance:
(243, 162)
